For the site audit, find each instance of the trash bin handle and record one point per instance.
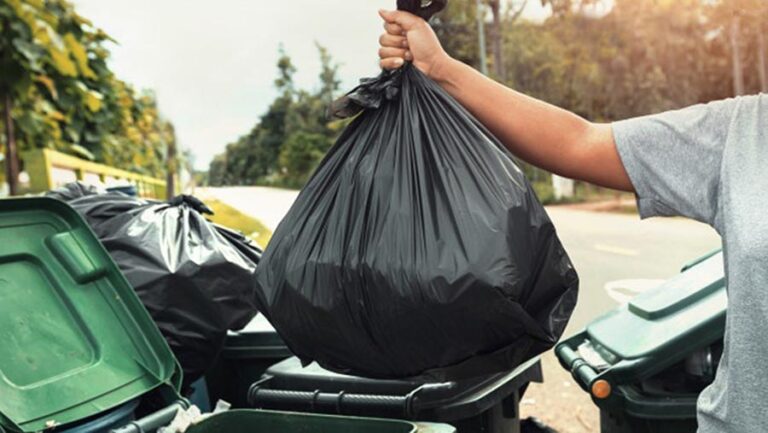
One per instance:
(154, 421)
(581, 371)
(421, 8)
(339, 403)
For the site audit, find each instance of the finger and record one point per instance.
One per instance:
(387, 40)
(394, 29)
(392, 63)
(387, 52)
(406, 20)
(408, 56)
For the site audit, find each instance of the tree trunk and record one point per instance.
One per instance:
(738, 72)
(171, 170)
(496, 43)
(11, 157)
(761, 66)
(481, 37)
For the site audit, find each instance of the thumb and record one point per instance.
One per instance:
(404, 19)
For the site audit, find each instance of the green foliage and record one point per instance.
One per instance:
(634, 58)
(290, 139)
(54, 65)
(644, 56)
(300, 155)
(456, 27)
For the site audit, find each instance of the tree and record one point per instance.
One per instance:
(172, 160)
(300, 155)
(217, 171)
(329, 76)
(456, 27)
(761, 63)
(516, 9)
(58, 92)
(290, 138)
(738, 69)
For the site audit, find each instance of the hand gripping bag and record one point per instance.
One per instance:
(417, 248)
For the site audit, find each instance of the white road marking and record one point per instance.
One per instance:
(615, 250)
(623, 291)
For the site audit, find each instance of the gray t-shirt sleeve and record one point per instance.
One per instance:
(674, 159)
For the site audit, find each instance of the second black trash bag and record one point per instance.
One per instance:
(417, 248)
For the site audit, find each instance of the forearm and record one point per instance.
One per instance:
(539, 133)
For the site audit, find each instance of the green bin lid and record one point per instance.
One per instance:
(76, 340)
(681, 312)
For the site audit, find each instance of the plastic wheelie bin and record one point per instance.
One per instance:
(80, 354)
(489, 404)
(243, 360)
(78, 348)
(645, 362)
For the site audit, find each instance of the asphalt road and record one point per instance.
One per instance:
(269, 205)
(617, 256)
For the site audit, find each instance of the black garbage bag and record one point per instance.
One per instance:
(417, 248)
(195, 278)
(75, 190)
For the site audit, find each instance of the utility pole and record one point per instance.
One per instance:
(172, 164)
(11, 156)
(738, 72)
(481, 37)
(761, 65)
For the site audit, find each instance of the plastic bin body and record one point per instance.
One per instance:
(657, 352)
(255, 421)
(488, 404)
(623, 423)
(246, 356)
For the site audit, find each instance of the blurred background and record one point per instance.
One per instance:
(234, 93)
(228, 100)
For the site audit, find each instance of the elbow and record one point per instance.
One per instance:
(580, 150)
(593, 157)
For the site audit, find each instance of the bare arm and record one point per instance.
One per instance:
(540, 133)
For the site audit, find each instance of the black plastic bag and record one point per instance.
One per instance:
(417, 248)
(195, 278)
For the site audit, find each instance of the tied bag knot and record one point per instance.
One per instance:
(386, 87)
(370, 94)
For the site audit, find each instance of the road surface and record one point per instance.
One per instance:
(616, 255)
(269, 205)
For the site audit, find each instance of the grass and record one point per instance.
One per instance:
(230, 217)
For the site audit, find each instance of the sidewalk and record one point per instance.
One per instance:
(559, 402)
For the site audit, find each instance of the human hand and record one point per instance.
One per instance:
(410, 38)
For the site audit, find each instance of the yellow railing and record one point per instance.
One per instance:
(48, 169)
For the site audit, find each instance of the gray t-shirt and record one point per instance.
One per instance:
(710, 163)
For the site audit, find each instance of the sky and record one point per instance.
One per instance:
(212, 63)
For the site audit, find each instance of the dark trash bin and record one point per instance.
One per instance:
(245, 357)
(646, 362)
(487, 404)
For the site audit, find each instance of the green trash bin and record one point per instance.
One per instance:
(77, 342)
(645, 363)
(80, 353)
(245, 357)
